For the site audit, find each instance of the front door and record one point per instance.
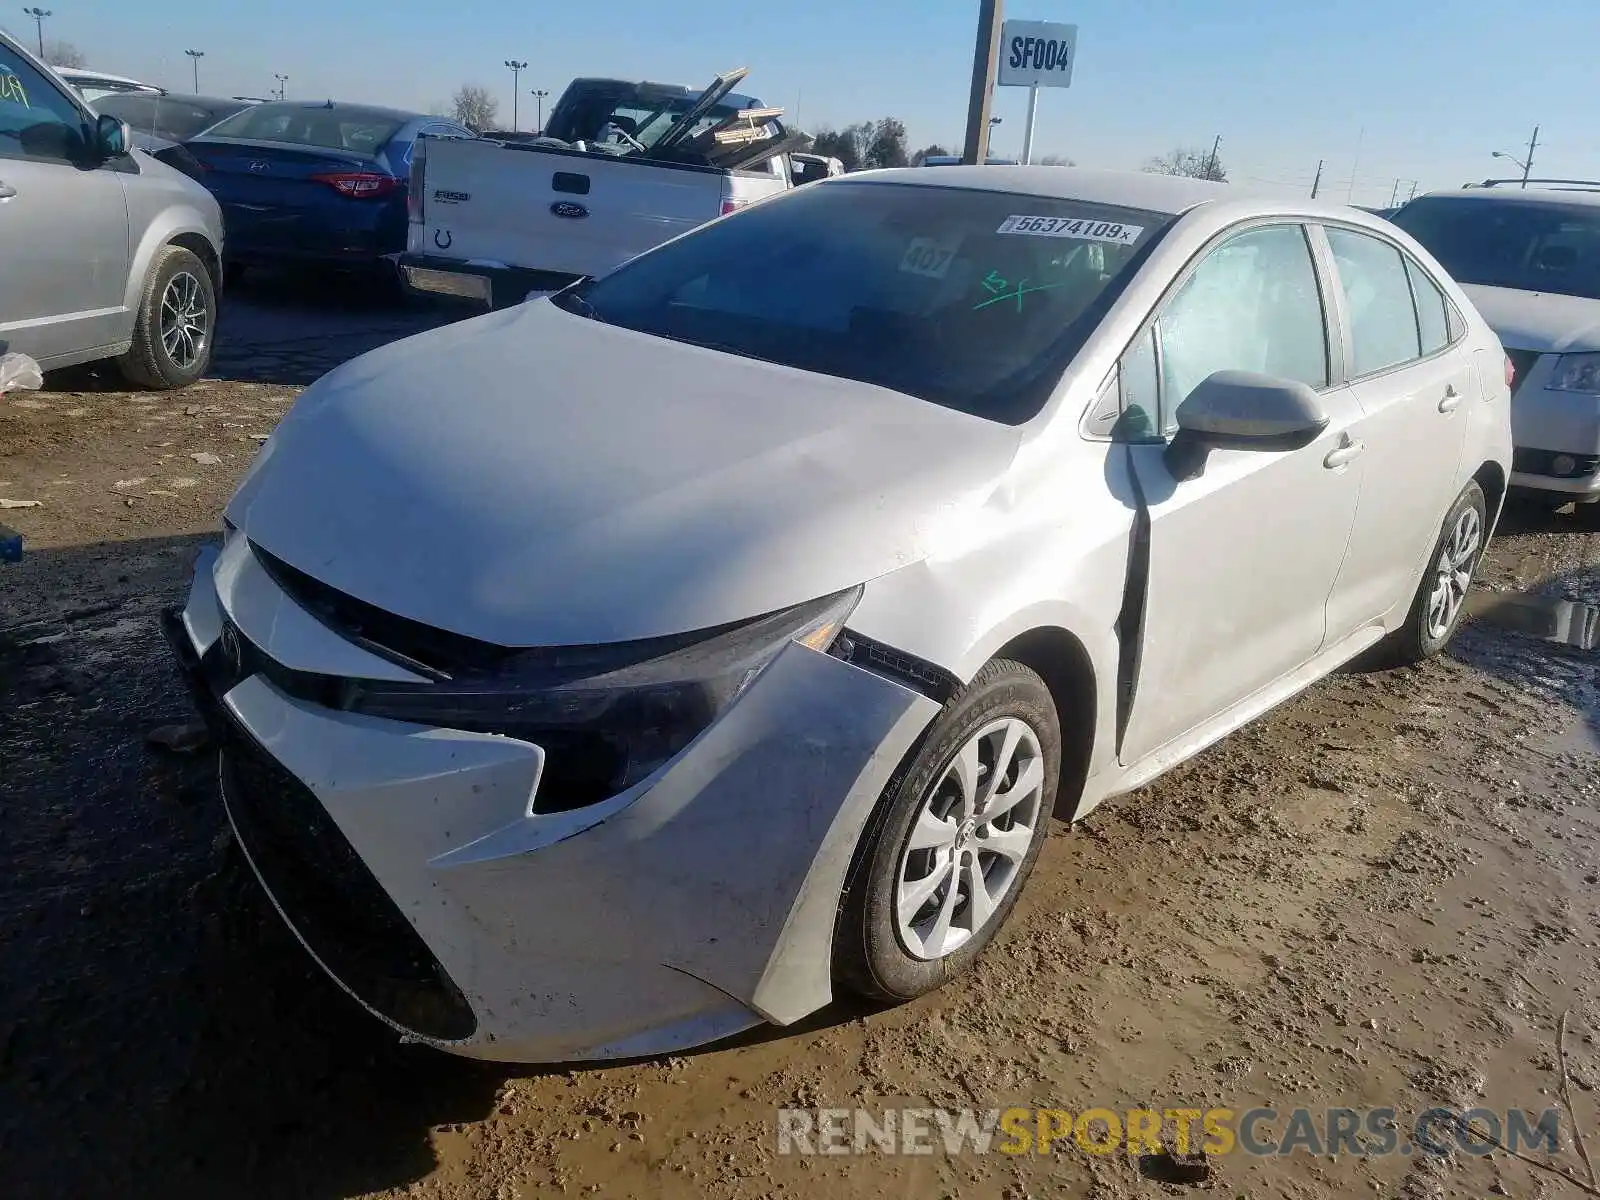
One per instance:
(63, 223)
(1242, 558)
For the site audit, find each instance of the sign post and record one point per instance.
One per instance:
(976, 148)
(1034, 55)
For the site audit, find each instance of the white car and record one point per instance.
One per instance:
(97, 85)
(1530, 261)
(615, 672)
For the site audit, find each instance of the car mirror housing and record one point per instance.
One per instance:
(112, 138)
(1246, 411)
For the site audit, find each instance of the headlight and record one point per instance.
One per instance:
(607, 716)
(1576, 373)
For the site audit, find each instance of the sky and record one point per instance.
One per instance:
(1389, 96)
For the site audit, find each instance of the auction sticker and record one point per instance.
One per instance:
(930, 257)
(1072, 227)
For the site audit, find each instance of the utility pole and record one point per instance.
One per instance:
(195, 56)
(39, 14)
(1211, 163)
(1533, 144)
(538, 95)
(985, 57)
(283, 89)
(1394, 193)
(517, 68)
(1413, 195)
(1350, 192)
(1317, 182)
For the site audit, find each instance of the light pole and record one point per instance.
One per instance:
(283, 90)
(517, 68)
(39, 14)
(195, 56)
(1525, 164)
(538, 95)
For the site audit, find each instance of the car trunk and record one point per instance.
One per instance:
(271, 195)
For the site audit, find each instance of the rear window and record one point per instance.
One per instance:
(975, 300)
(1531, 246)
(163, 116)
(327, 129)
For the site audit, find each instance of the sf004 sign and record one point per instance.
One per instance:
(1037, 54)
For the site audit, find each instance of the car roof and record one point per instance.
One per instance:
(85, 75)
(1531, 195)
(1171, 194)
(354, 109)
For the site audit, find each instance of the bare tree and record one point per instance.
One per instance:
(1056, 160)
(474, 106)
(63, 54)
(927, 152)
(1195, 163)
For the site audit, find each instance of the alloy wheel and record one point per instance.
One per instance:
(185, 321)
(970, 838)
(1458, 559)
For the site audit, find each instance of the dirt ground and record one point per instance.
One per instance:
(1381, 895)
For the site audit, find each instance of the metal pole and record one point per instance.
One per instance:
(985, 56)
(1350, 192)
(1033, 116)
(39, 14)
(1211, 163)
(1413, 195)
(194, 57)
(1394, 193)
(1317, 182)
(538, 95)
(516, 76)
(1533, 144)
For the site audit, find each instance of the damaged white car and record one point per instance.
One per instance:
(610, 674)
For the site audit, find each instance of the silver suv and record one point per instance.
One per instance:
(105, 252)
(1530, 260)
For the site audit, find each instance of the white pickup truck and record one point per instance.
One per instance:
(622, 167)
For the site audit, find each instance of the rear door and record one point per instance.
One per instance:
(63, 223)
(548, 210)
(1416, 386)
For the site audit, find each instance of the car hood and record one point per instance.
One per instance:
(532, 477)
(1543, 321)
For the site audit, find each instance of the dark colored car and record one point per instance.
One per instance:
(314, 183)
(162, 122)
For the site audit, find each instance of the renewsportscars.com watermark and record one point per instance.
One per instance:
(1365, 1132)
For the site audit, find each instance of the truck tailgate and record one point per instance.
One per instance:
(552, 210)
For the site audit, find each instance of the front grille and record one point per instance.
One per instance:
(332, 899)
(1543, 462)
(1521, 363)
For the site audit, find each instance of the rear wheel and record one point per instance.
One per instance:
(954, 840)
(1440, 601)
(172, 334)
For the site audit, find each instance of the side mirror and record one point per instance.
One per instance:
(112, 138)
(1245, 411)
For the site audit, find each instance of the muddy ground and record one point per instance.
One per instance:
(1382, 895)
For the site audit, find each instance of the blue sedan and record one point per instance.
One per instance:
(314, 183)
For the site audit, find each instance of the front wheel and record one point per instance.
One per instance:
(1437, 608)
(953, 840)
(176, 322)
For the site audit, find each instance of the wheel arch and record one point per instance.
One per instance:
(202, 249)
(1491, 477)
(1063, 662)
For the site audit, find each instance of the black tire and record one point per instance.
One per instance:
(870, 956)
(1414, 642)
(148, 363)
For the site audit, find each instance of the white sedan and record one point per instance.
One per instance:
(612, 673)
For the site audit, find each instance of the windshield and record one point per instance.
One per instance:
(360, 130)
(167, 117)
(1531, 246)
(974, 300)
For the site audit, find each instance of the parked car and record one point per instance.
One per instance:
(954, 160)
(94, 86)
(1530, 260)
(162, 122)
(314, 183)
(742, 627)
(105, 252)
(623, 167)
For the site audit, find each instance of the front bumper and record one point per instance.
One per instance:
(408, 860)
(1546, 424)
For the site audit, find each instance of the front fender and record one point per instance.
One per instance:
(185, 216)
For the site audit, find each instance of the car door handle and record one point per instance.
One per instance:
(1452, 399)
(1344, 454)
(7, 191)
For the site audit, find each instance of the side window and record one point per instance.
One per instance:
(1433, 313)
(1377, 296)
(1141, 397)
(36, 121)
(1251, 305)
